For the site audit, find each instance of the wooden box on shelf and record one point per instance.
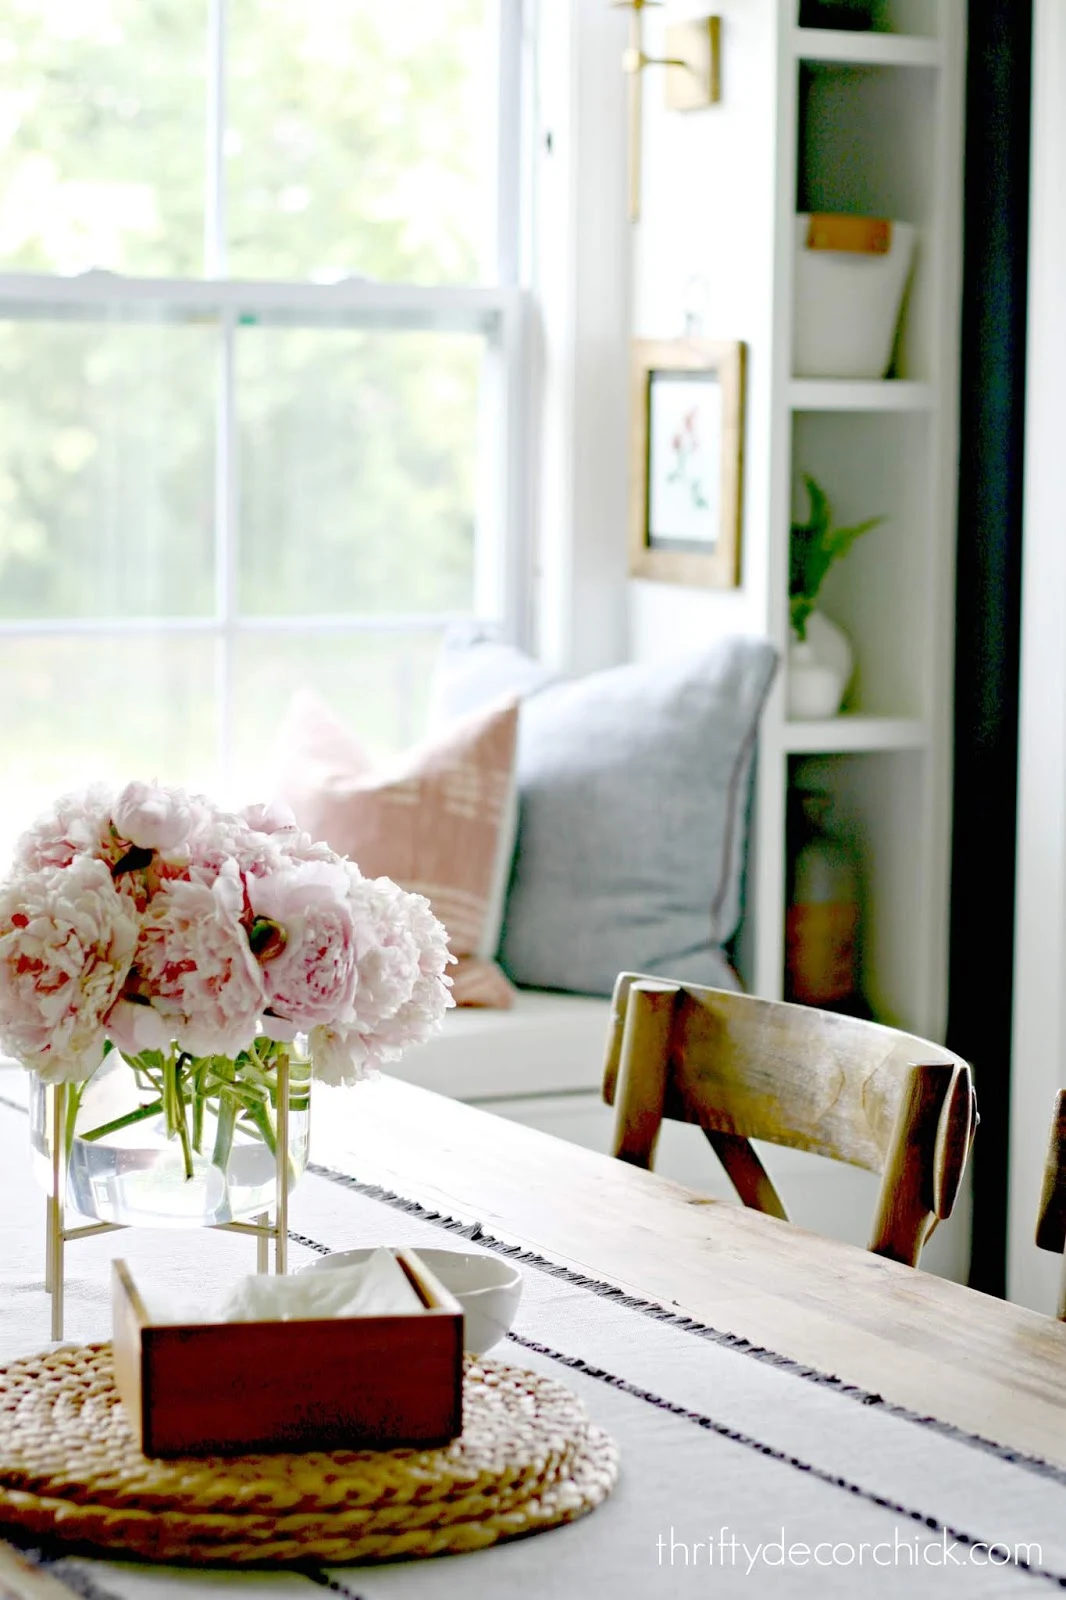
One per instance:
(338, 1382)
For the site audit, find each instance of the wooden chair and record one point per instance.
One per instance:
(1051, 1223)
(743, 1068)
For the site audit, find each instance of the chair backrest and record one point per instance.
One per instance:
(743, 1068)
(1051, 1222)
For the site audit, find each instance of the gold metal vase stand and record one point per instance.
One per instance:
(262, 1229)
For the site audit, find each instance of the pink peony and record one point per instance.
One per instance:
(388, 954)
(136, 1026)
(402, 991)
(340, 1055)
(223, 837)
(423, 1010)
(80, 825)
(400, 942)
(212, 927)
(155, 818)
(311, 977)
(67, 938)
(277, 820)
(269, 817)
(196, 967)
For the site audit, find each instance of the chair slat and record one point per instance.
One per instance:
(643, 1069)
(1051, 1222)
(754, 1185)
(743, 1068)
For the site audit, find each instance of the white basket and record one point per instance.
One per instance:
(847, 306)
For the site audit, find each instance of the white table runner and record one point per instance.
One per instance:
(738, 1470)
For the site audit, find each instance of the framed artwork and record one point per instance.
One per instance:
(688, 432)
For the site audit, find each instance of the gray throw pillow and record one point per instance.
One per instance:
(633, 796)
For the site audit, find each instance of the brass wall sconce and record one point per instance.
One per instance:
(692, 62)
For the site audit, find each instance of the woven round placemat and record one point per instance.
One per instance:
(70, 1469)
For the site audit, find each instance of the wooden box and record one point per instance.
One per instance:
(334, 1383)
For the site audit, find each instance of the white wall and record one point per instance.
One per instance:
(581, 280)
(1039, 1047)
(705, 241)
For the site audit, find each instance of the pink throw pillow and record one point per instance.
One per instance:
(440, 820)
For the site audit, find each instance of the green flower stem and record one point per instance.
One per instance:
(174, 1106)
(198, 1098)
(127, 1121)
(242, 1093)
(169, 1110)
(260, 1115)
(228, 1106)
(179, 1114)
(73, 1102)
(255, 1075)
(225, 1127)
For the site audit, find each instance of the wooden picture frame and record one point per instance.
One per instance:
(687, 461)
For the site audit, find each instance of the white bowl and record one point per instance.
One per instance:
(487, 1288)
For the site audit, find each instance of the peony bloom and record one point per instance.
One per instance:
(155, 818)
(270, 817)
(340, 1055)
(277, 821)
(67, 938)
(224, 837)
(388, 954)
(310, 973)
(196, 967)
(400, 941)
(158, 921)
(422, 1012)
(136, 1026)
(79, 825)
(402, 991)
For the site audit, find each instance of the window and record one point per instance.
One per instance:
(260, 371)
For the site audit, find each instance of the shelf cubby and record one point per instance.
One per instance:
(918, 18)
(864, 139)
(871, 465)
(871, 126)
(877, 800)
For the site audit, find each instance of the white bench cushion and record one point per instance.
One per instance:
(548, 1043)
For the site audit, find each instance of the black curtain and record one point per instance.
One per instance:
(988, 617)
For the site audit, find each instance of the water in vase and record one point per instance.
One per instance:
(136, 1175)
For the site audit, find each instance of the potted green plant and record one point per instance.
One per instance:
(820, 657)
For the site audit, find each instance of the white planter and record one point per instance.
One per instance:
(847, 306)
(819, 670)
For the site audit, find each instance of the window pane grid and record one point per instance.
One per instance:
(298, 138)
(227, 533)
(212, 627)
(215, 694)
(214, 145)
(95, 295)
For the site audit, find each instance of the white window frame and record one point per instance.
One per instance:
(496, 310)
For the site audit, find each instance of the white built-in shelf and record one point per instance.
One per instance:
(848, 49)
(870, 124)
(852, 732)
(847, 394)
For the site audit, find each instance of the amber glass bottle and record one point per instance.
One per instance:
(822, 922)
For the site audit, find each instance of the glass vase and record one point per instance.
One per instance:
(165, 1143)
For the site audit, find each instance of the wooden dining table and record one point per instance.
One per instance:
(768, 1390)
(982, 1364)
